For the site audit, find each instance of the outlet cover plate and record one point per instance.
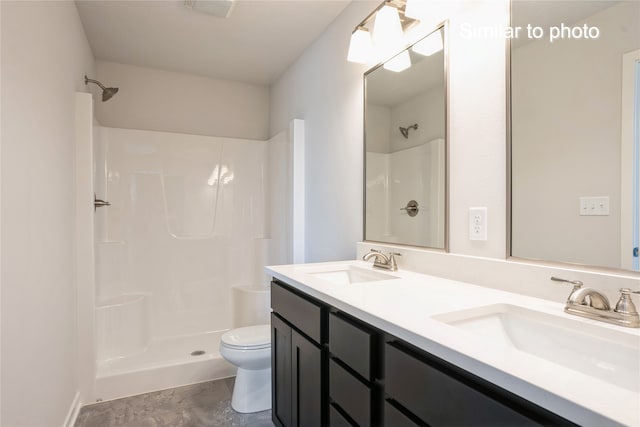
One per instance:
(478, 223)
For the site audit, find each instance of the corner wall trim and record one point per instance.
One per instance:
(296, 132)
(74, 410)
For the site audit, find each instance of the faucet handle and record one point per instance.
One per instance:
(393, 265)
(625, 305)
(577, 284)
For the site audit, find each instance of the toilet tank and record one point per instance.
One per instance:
(251, 305)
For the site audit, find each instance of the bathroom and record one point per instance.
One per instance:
(316, 96)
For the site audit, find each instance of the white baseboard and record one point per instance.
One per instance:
(74, 410)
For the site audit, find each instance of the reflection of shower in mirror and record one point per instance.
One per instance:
(405, 131)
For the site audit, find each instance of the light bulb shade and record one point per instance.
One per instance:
(387, 36)
(416, 9)
(399, 62)
(430, 44)
(360, 46)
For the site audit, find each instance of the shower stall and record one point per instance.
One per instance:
(179, 252)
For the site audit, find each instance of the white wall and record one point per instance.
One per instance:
(151, 99)
(326, 91)
(45, 55)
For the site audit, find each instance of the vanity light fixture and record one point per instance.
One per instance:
(387, 34)
(381, 34)
(361, 46)
(398, 63)
(429, 45)
(416, 9)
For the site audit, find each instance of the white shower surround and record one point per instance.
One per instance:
(189, 225)
(392, 180)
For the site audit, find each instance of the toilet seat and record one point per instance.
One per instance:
(248, 338)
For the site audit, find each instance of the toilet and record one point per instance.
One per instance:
(249, 348)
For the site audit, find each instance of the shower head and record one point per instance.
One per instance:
(405, 131)
(107, 92)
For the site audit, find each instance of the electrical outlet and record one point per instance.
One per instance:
(477, 223)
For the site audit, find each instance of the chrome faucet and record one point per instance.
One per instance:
(381, 260)
(589, 303)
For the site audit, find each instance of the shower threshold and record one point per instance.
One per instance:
(164, 364)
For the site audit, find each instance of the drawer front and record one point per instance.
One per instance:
(350, 394)
(336, 419)
(302, 313)
(351, 344)
(440, 399)
(395, 418)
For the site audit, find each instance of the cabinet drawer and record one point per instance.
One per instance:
(300, 312)
(395, 418)
(351, 344)
(350, 394)
(439, 399)
(336, 419)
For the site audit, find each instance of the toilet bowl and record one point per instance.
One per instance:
(249, 349)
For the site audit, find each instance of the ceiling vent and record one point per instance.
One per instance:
(219, 8)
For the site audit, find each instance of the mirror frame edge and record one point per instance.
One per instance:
(508, 137)
(444, 25)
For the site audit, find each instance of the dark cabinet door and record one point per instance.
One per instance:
(281, 372)
(296, 376)
(306, 362)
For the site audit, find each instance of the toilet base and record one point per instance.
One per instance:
(252, 391)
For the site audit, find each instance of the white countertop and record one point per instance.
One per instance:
(403, 307)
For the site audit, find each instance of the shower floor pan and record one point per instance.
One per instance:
(164, 364)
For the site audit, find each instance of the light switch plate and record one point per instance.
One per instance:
(594, 206)
(478, 223)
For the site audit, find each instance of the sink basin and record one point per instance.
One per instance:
(603, 353)
(349, 274)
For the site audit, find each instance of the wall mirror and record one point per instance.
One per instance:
(405, 147)
(575, 94)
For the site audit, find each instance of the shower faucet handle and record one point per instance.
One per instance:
(97, 203)
(411, 208)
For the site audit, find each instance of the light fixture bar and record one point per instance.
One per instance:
(367, 47)
(406, 21)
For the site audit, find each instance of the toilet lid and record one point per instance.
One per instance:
(251, 336)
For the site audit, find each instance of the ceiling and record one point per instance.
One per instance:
(257, 42)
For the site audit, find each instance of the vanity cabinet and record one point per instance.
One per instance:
(353, 371)
(330, 368)
(429, 391)
(297, 361)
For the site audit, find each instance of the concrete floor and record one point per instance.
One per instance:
(199, 405)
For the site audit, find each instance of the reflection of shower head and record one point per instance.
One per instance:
(107, 92)
(405, 131)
